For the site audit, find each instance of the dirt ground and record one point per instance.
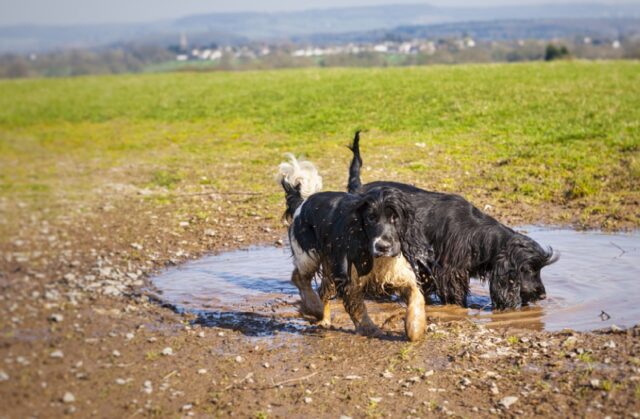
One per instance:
(81, 337)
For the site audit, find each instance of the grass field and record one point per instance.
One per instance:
(561, 137)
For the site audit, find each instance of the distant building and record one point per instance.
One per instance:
(183, 42)
(380, 48)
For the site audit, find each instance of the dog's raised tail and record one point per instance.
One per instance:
(355, 183)
(299, 179)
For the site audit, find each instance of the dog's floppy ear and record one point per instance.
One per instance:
(504, 282)
(398, 201)
(358, 249)
(293, 198)
(523, 250)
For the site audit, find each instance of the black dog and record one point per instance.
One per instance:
(356, 240)
(467, 243)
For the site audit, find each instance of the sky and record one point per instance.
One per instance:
(59, 12)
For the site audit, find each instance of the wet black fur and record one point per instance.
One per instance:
(467, 243)
(340, 227)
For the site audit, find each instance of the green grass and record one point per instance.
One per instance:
(564, 134)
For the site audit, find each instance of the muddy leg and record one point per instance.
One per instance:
(414, 322)
(311, 303)
(353, 300)
(327, 290)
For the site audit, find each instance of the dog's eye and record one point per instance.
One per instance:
(393, 218)
(372, 217)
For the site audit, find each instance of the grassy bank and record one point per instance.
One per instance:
(552, 142)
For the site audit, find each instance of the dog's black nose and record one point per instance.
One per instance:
(382, 246)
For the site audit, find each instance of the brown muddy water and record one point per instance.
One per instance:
(595, 284)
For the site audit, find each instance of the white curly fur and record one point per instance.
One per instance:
(300, 172)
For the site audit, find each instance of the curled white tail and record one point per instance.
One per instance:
(300, 172)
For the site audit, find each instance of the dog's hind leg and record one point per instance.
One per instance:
(311, 303)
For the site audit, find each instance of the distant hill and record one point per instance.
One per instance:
(495, 30)
(275, 25)
(234, 28)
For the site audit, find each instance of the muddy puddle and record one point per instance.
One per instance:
(595, 284)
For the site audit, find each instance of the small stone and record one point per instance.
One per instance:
(239, 359)
(308, 400)
(52, 295)
(279, 242)
(136, 246)
(202, 371)
(187, 407)
(147, 387)
(56, 317)
(121, 381)
(352, 377)
(200, 334)
(508, 401)
(184, 224)
(4, 376)
(129, 336)
(610, 345)
(68, 397)
(465, 382)
(595, 383)
(375, 399)
(427, 374)
(167, 351)
(494, 389)
(209, 232)
(116, 353)
(221, 334)
(569, 342)
(615, 328)
(152, 339)
(387, 374)
(407, 394)
(266, 365)
(56, 354)
(112, 291)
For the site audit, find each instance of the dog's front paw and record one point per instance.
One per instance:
(325, 323)
(369, 329)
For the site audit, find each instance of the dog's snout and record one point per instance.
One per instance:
(542, 296)
(382, 246)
